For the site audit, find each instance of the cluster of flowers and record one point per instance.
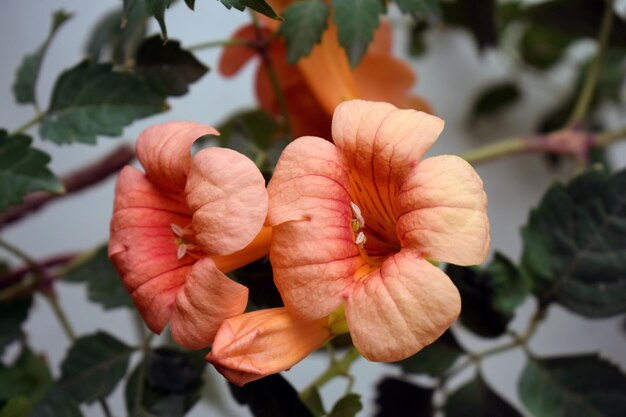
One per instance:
(350, 226)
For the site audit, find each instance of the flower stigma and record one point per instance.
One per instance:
(184, 242)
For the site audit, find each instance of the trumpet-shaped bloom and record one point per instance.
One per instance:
(356, 223)
(319, 82)
(264, 342)
(180, 226)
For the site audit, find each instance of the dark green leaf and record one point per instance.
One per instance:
(92, 99)
(417, 44)
(28, 71)
(347, 406)
(260, 6)
(28, 375)
(57, 403)
(168, 68)
(494, 98)
(104, 283)
(190, 3)
(171, 383)
(490, 296)
(303, 25)
(93, 367)
(398, 398)
(543, 46)
(257, 277)
(311, 397)
(157, 8)
(12, 314)
(16, 407)
(574, 386)
(435, 358)
(356, 22)
(477, 399)
(23, 169)
(419, 9)
(271, 396)
(477, 16)
(575, 245)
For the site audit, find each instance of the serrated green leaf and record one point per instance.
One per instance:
(573, 386)
(57, 403)
(105, 286)
(303, 26)
(156, 9)
(28, 71)
(93, 99)
(356, 22)
(168, 68)
(28, 376)
(260, 6)
(16, 407)
(93, 367)
(419, 9)
(435, 358)
(12, 314)
(575, 245)
(489, 296)
(347, 406)
(477, 399)
(398, 398)
(494, 98)
(23, 169)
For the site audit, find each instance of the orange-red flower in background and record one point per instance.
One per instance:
(180, 226)
(356, 222)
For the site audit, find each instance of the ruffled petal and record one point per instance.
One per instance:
(142, 245)
(400, 308)
(313, 253)
(442, 210)
(256, 249)
(226, 192)
(264, 342)
(207, 298)
(164, 151)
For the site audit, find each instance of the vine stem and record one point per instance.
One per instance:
(30, 123)
(586, 94)
(218, 44)
(339, 367)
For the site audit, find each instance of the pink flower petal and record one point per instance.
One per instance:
(400, 308)
(207, 298)
(313, 253)
(226, 192)
(443, 211)
(164, 151)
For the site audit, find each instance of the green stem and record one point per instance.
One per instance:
(496, 150)
(336, 368)
(586, 94)
(606, 138)
(60, 315)
(218, 43)
(32, 122)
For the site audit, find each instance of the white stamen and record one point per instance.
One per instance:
(181, 252)
(357, 213)
(360, 239)
(178, 231)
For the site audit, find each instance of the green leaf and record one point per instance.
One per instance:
(575, 245)
(303, 26)
(104, 283)
(477, 399)
(168, 68)
(260, 6)
(170, 386)
(543, 46)
(574, 386)
(156, 8)
(490, 296)
(419, 9)
(28, 71)
(271, 396)
(356, 21)
(398, 398)
(477, 16)
(93, 99)
(495, 98)
(191, 4)
(16, 407)
(93, 366)
(28, 376)
(348, 406)
(57, 403)
(435, 358)
(12, 314)
(311, 397)
(23, 169)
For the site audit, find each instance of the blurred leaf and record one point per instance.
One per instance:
(573, 386)
(28, 71)
(419, 9)
(575, 245)
(271, 396)
(417, 45)
(23, 169)
(93, 367)
(542, 46)
(171, 383)
(92, 99)
(356, 21)
(168, 68)
(347, 406)
(257, 276)
(12, 314)
(435, 358)
(28, 376)
(260, 6)
(398, 398)
(16, 407)
(191, 4)
(311, 397)
(494, 98)
(477, 16)
(489, 296)
(477, 399)
(104, 283)
(56, 403)
(303, 25)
